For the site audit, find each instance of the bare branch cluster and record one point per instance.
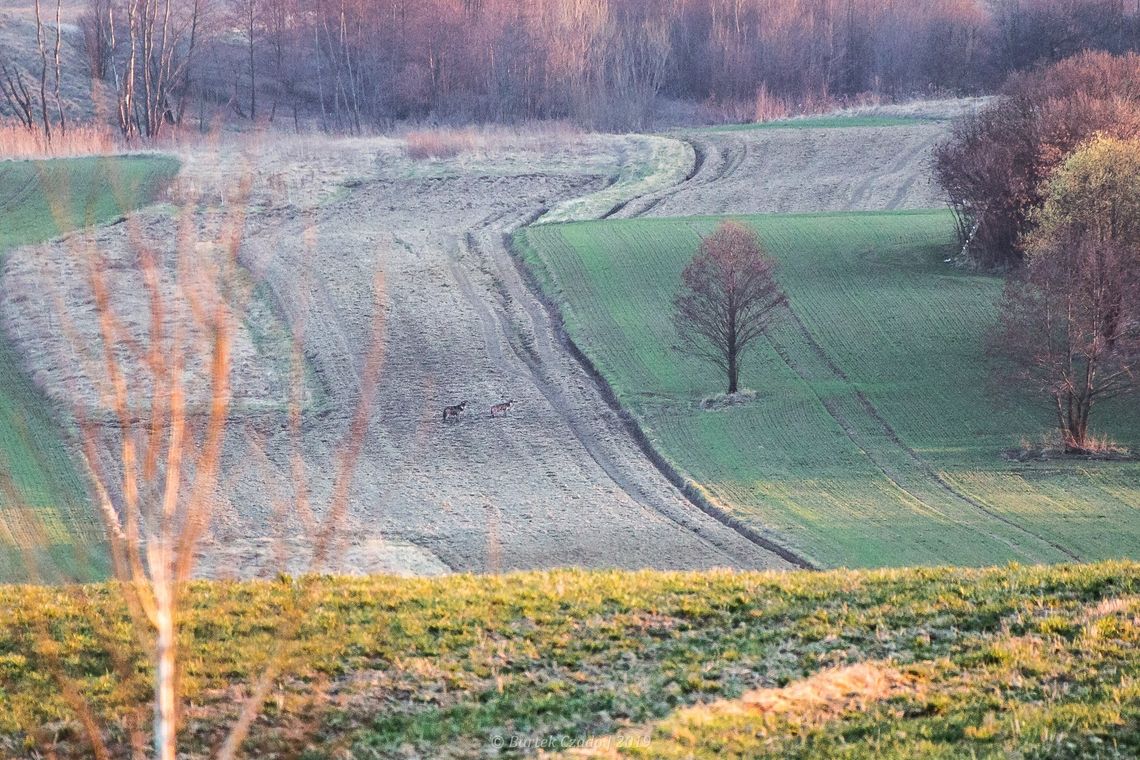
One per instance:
(153, 441)
(728, 297)
(1070, 320)
(995, 165)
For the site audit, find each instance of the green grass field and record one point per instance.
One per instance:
(825, 122)
(48, 530)
(873, 440)
(1037, 662)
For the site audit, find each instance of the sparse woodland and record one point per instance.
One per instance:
(996, 163)
(1043, 182)
(351, 65)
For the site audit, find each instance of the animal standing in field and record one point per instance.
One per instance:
(501, 409)
(454, 411)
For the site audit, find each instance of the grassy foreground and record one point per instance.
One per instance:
(872, 439)
(858, 664)
(47, 529)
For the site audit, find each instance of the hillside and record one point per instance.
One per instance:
(872, 438)
(48, 530)
(18, 51)
(882, 664)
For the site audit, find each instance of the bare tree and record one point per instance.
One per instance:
(94, 22)
(728, 297)
(1070, 323)
(150, 67)
(58, 58)
(16, 94)
(155, 465)
(41, 45)
(246, 16)
(1056, 336)
(30, 106)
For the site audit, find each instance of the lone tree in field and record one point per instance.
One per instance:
(728, 296)
(1070, 324)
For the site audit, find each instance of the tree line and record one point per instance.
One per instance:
(348, 65)
(1045, 184)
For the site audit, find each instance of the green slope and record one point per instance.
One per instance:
(872, 441)
(48, 530)
(1014, 662)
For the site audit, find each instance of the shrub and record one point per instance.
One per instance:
(994, 165)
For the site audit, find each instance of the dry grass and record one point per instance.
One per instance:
(766, 106)
(1102, 445)
(441, 143)
(770, 107)
(824, 694)
(811, 701)
(19, 142)
(1050, 445)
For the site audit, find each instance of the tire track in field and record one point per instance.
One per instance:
(728, 162)
(715, 162)
(718, 160)
(567, 485)
(18, 193)
(921, 465)
(902, 162)
(915, 168)
(539, 344)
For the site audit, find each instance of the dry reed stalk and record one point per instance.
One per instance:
(19, 142)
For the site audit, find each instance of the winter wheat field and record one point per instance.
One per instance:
(510, 268)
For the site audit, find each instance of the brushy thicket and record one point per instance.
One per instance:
(996, 163)
(17, 141)
(949, 663)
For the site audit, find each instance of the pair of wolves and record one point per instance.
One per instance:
(496, 411)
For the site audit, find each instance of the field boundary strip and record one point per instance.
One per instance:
(683, 484)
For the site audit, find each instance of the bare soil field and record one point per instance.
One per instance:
(558, 481)
(803, 169)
